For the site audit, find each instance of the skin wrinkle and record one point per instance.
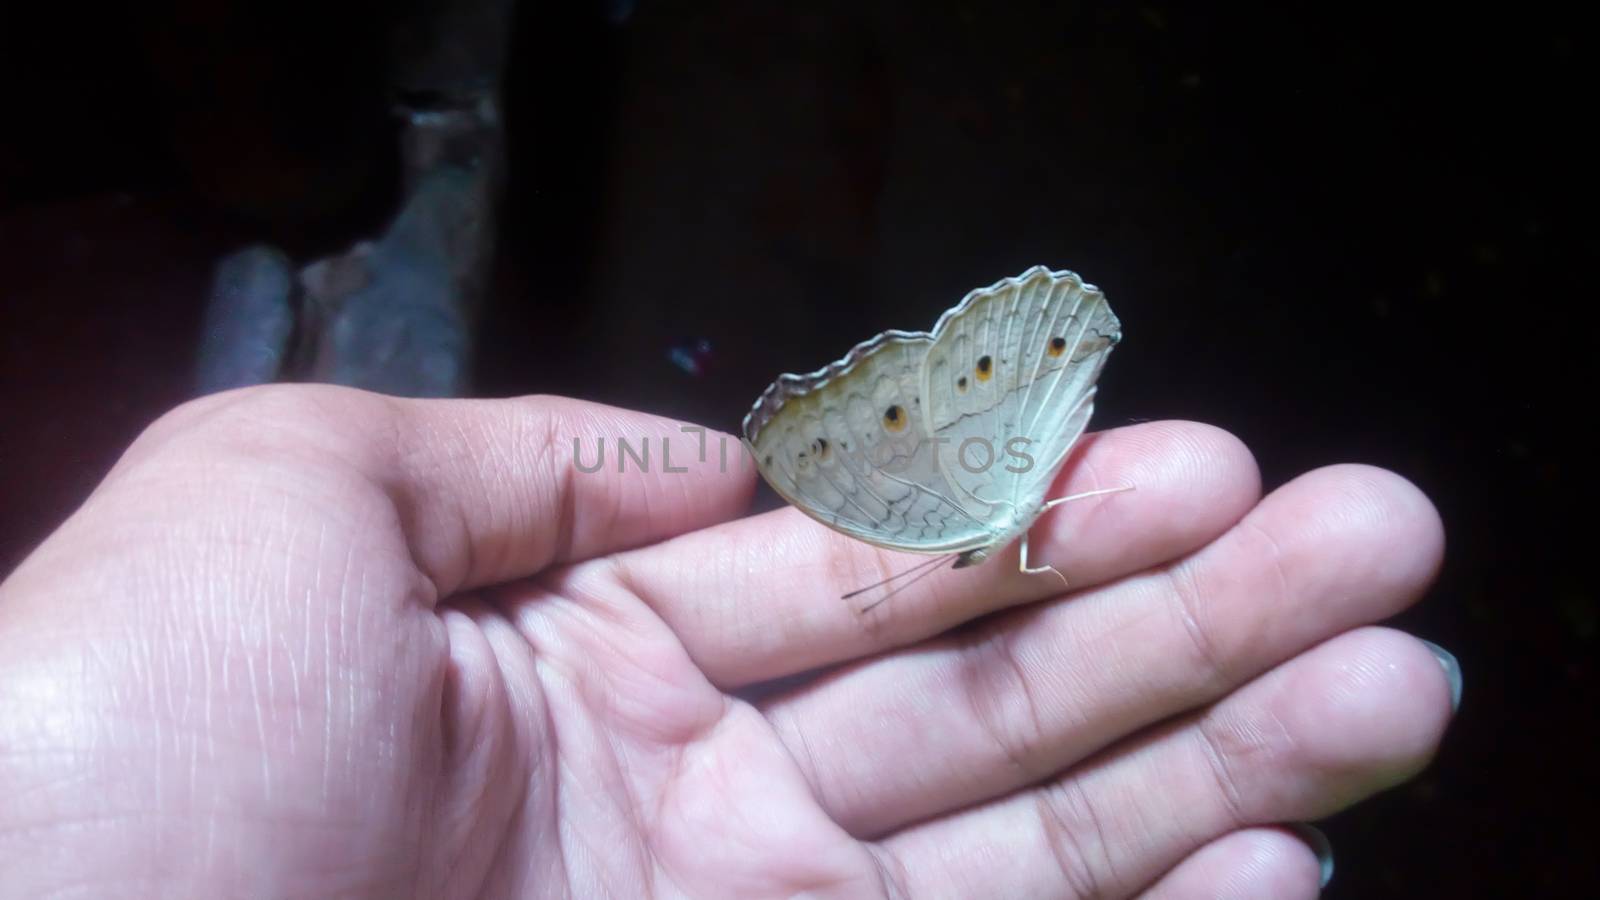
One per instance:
(143, 656)
(349, 607)
(502, 478)
(604, 585)
(325, 543)
(523, 517)
(685, 497)
(257, 703)
(295, 535)
(477, 681)
(499, 852)
(646, 485)
(613, 774)
(411, 491)
(1060, 837)
(557, 793)
(470, 561)
(559, 473)
(1275, 558)
(997, 673)
(1257, 866)
(471, 564)
(680, 744)
(189, 688)
(783, 722)
(614, 496)
(892, 877)
(678, 765)
(737, 623)
(329, 666)
(586, 694)
(500, 697)
(258, 694)
(1226, 781)
(1184, 581)
(634, 586)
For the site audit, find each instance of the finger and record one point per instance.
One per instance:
(1356, 715)
(484, 490)
(1250, 864)
(981, 713)
(760, 598)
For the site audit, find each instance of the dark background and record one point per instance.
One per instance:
(1345, 235)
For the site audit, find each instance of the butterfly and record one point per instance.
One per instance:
(944, 442)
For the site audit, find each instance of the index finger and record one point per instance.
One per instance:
(760, 598)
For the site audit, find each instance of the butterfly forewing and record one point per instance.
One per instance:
(848, 446)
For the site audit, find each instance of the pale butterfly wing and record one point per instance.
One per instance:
(847, 445)
(1010, 381)
(946, 441)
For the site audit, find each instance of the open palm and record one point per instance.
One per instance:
(311, 641)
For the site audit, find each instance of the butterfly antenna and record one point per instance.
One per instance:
(926, 571)
(898, 575)
(1086, 495)
(918, 567)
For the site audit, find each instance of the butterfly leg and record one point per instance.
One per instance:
(1039, 570)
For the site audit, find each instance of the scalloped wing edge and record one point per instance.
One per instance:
(788, 386)
(792, 385)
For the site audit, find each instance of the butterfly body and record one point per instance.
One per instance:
(1000, 538)
(942, 442)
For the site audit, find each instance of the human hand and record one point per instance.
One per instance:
(312, 641)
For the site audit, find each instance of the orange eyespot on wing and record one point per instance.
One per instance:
(961, 385)
(985, 368)
(894, 419)
(1058, 346)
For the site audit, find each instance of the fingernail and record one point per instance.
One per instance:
(1318, 842)
(1452, 672)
